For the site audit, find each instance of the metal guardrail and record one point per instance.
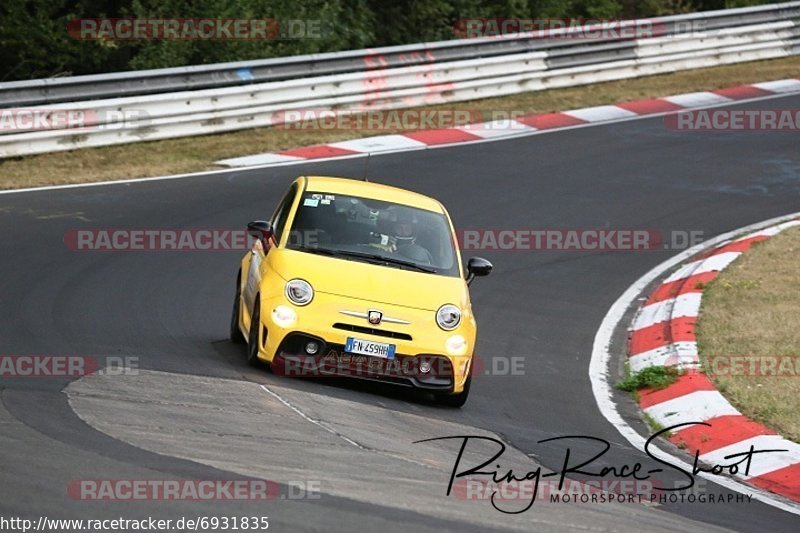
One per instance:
(167, 103)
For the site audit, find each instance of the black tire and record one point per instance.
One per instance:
(456, 400)
(253, 337)
(236, 335)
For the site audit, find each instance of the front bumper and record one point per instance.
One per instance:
(422, 371)
(417, 343)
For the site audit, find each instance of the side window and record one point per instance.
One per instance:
(282, 212)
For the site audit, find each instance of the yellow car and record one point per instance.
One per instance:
(351, 278)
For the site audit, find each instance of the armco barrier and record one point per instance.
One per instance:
(169, 103)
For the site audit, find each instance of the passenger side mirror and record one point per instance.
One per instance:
(261, 229)
(477, 266)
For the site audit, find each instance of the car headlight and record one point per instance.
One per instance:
(456, 345)
(299, 291)
(284, 316)
(448, 317)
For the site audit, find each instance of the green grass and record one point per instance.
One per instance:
(753, 310)
(655, 426)
(653, 377)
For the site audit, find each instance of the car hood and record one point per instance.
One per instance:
(369, 282)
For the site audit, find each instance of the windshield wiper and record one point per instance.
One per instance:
(387, 260)
(362, 255)
(316, 250)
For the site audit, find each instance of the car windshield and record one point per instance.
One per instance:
(374, 231)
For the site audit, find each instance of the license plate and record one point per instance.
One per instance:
(375, 349)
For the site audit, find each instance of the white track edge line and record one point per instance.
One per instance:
(598, 366)
(519, 135)
(309, 419)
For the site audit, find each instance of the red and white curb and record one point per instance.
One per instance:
(663, 334)
(521, 126)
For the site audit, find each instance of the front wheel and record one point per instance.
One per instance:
(456, 400)
(236, 332)
(253, 337)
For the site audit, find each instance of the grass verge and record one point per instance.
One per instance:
(749, 333)
(194, 154)
(652, 377)
(655, 426)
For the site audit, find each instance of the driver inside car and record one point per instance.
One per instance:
(400, 237)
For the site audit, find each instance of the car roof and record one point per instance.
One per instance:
(374, 191)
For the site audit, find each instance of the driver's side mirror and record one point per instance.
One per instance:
(476, 267)
(261, 229)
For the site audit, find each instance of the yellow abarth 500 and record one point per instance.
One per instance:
(351, 278)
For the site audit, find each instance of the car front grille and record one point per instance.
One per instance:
(373, 331)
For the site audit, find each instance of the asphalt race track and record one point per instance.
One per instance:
(196, 410)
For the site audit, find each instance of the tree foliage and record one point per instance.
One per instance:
(34, 42)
